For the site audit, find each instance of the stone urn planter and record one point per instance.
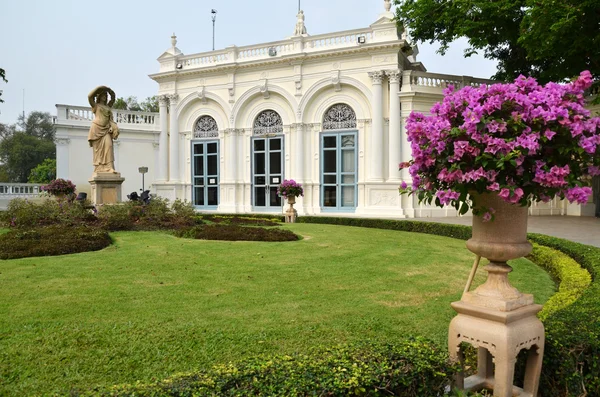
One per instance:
(496, 318)
(500, 240)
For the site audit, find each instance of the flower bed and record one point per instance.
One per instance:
(237, 233)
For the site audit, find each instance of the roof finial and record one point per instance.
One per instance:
(388, 5)
(173, 40)
(300, 28)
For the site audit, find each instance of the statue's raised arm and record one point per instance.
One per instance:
(96, 92)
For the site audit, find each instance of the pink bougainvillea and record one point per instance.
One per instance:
(525, 141)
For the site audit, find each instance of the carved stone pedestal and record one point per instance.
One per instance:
(498, 337)
(291, 214)
(496, 318)
(106, 188)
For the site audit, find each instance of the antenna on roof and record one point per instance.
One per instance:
(298, 5)
(214, 18)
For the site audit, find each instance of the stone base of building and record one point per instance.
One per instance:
(106, 188)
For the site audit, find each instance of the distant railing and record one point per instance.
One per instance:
(339, 40)
(416, 80)
(12, 190)
(83, 113)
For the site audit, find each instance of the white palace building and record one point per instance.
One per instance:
(327, 111)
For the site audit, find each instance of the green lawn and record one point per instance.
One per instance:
(153, 304)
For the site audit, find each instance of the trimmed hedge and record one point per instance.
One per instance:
(572, 278)
(572, 350)
(414, 367)
(240, 220)
(49, 241)
(237, 233)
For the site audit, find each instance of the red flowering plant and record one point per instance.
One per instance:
(290, 187)
(59, 187)
(525, 141)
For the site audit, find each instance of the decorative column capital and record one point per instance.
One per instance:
(163, 100)
(299, 126)
(376, 77)
(173, 99)
(394, 75)
(62, 141)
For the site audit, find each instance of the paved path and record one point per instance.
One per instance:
(582, 229)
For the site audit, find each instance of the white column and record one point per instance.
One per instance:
(163, 140)
(406, 108)
(62, 157)
(395, 147)
(298, 152)
(230, 155)
(376, 151)
(174, 141)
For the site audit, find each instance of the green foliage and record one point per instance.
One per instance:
(447, 230)
(572, 278)
(414, 367)
(522, 35)
(150, 104)
(25, 214)
(52, 240)
(37, 124)
(572, 352)
(25, 145)
(239, 220)
(231, 232)
(21, 152)
(157, 215)
(44, 172)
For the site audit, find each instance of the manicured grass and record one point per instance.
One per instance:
(153, 304)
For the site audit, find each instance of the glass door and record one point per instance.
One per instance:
(205, 174)
(338, 171)
(267, 172)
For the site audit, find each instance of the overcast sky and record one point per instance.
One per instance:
(59, 50)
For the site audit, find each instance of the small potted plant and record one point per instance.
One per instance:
(60, 188)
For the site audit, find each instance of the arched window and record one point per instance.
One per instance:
(268, 122)
(206, 127)
(338, 117)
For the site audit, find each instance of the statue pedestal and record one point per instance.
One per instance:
(106, 188)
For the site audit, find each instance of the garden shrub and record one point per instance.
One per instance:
(237, 233)
(156, 215)
(572, 349)
(414, 367)
(51, 240)
(22, 213)
(240, 220)
(572, 279)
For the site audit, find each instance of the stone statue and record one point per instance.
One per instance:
(300, 28)
(103, 129)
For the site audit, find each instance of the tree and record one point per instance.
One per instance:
(38, 124)
(3, 78)
(21, 152)
(44, 172)
(542, 38)
(129, 103)
(150, 104)
(25, 145)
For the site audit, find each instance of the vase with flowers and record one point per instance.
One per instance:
(289, 190)
(60, 188)
(495, 149)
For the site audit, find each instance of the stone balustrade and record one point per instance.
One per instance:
(292, 46)
(413, 80)
(9, 191)
(126, 119)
